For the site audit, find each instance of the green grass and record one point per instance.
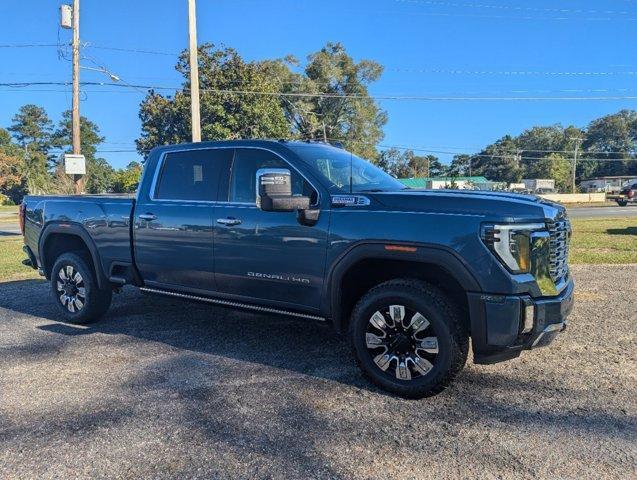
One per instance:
(11, 256)
(594, 241)
(607, 240)
(9, 219)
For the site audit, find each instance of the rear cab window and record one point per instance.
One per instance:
(191, 175)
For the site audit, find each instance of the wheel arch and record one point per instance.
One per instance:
(368, 264)
(55, 240)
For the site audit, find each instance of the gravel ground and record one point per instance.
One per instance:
(161, 389)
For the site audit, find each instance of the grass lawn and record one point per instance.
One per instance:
(606, 240)
(612, 240)
(9, 218)
(11, 256)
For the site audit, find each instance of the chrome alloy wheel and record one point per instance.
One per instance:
(70, 289)
(403, 340)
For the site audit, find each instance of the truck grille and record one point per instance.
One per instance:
(560, 230)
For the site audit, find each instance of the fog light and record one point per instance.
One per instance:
(529, 318)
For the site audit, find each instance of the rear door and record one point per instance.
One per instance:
(267, 255)
(173, 229)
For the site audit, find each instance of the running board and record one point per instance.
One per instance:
(230, 303)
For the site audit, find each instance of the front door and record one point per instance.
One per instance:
(174, 226)
(267, 255)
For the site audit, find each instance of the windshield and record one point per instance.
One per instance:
(335, 166)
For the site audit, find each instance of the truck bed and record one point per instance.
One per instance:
(104, 219)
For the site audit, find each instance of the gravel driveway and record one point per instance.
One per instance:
(161, 388)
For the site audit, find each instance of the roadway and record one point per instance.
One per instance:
(12, 229)
(601, 212)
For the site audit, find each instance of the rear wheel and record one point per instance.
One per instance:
(408, 338)
(75, 290)
(622, 203)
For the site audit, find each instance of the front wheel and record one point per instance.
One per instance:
(75, 290)
(408, 338)
(622, 203)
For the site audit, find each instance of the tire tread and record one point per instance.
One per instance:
(459, 333)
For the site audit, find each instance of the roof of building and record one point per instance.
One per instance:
(614, 177)
(422, 181)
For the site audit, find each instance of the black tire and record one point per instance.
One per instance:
(444, 324)
(622, 203)
(76, 305)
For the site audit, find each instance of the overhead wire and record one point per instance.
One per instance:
(331, 95)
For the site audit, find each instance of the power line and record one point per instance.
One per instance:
(28, 45)
(396, 69)
(337, 95)
(515, 8)
(511, 72)
(477, 155)
(131, 50)
(521, 16)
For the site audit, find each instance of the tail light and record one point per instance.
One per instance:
(21, 216)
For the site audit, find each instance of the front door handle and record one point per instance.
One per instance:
(148, 216)
(228, 222)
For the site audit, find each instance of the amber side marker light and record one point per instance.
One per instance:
(399, 248)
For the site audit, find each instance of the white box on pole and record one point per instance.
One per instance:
(66, 16)
(74, 164)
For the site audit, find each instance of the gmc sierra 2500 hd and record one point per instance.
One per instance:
(310, 230)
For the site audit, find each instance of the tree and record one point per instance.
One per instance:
(553, 166)
(423, 166)
(31, 128)
(500, 161)
(394, 162)
(343, 111)
(460, 166)
(267, 99)
(99, 174)
(12, 182)
(126, 180)
(608, 135)
(224, 114)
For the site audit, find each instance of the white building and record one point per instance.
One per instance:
(606, 184)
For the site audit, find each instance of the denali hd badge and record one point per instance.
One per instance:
(281, 277)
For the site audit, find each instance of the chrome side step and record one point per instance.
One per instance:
(230, 303)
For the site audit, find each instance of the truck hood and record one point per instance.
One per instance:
(500, 206)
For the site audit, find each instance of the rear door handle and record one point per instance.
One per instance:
(229, 222)
(148, 216)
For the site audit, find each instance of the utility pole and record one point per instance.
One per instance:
(78, 180)
(194, 72)
(574, 166)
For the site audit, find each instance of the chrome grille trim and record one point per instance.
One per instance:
(560, 232)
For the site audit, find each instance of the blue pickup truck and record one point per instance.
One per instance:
(310, 230)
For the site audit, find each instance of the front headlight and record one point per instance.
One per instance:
(512, 244)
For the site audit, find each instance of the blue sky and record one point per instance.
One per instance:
(456, 48)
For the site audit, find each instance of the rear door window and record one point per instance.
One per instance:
(192, 175)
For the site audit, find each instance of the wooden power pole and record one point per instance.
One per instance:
(194, 72)
(574, 166)
(75, 120)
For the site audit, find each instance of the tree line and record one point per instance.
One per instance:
(31, 157)
(326, 99)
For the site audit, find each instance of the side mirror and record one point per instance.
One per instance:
(274, 191)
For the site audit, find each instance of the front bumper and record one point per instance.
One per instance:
(497, 323)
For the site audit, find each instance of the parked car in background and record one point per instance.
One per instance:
(314, 232)
(628, 194)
